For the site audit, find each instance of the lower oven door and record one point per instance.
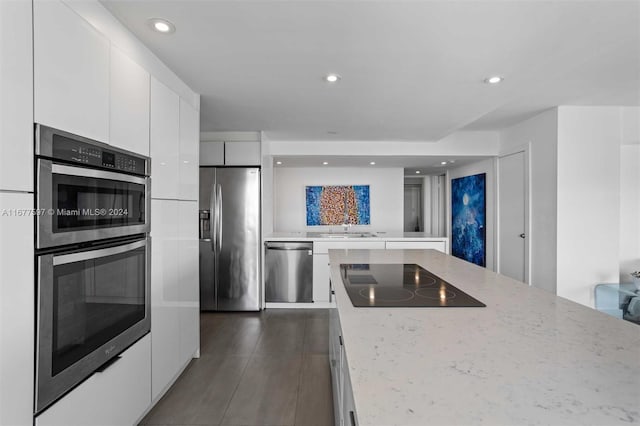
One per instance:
(92, 305)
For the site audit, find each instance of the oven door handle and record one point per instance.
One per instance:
(62, 169)
(63, 259)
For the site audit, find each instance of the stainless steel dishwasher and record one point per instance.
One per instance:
(289, 272)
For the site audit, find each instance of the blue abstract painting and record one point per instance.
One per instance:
(468, 218)
(338, 205)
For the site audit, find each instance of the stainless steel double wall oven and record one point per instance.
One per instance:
(92, 258)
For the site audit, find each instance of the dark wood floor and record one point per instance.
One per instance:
(267, 368)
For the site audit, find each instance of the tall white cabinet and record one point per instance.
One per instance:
(16, 230)
(16, 309)
(174, 232)
(16, 99)
(60, 70)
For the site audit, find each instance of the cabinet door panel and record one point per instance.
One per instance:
(189, 135)
(117, 396)
(71, 72)
(189, 279)
(16, 101)
(242, 153)
(165, 294)
(212, 153)
(129, 106)
(164, 146)
(17, 311)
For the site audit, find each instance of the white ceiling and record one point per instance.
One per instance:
(411, 70)
(426, 165)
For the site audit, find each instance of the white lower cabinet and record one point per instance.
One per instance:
(344, 409)
(117, 396)
(348, 403)
(321, 287)
(174, 290)
(335, 363)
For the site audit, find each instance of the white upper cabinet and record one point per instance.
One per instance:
(16, 101)
(164, 147)
(188, 165)
(212, 153)
(71, 72)
(129, 106)
(232, 153)
(242, 153)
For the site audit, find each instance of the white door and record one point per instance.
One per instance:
(512, 216)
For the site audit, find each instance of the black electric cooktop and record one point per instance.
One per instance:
(400, 285)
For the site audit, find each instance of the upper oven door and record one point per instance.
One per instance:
(78, 204)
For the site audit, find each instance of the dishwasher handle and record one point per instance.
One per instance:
(289, 246)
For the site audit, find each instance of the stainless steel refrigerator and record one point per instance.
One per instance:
(230, 239)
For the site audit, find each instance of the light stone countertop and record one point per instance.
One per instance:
(528, 358)
(380, 236)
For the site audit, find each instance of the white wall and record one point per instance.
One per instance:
(539, 135)
(629, 211)
(488, 167)
(386, 192)
(588, 200)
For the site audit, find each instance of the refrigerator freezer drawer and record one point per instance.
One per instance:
(289, 272)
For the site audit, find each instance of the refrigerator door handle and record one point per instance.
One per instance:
(219, 231)
(213, 218)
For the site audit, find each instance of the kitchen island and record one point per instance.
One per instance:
(527, 358)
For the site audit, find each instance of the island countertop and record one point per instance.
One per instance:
(527, 358)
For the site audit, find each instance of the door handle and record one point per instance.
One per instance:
(213, 217)
(522, 235)
(219, 196)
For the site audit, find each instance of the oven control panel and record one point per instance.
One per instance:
(91, 155)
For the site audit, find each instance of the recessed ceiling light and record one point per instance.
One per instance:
(332, 132)
(494, 79)
(162, 25)
(278, 162)
(324, 163)
(332, 78)
(373, 163)
(417, 172)
(443, 163)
